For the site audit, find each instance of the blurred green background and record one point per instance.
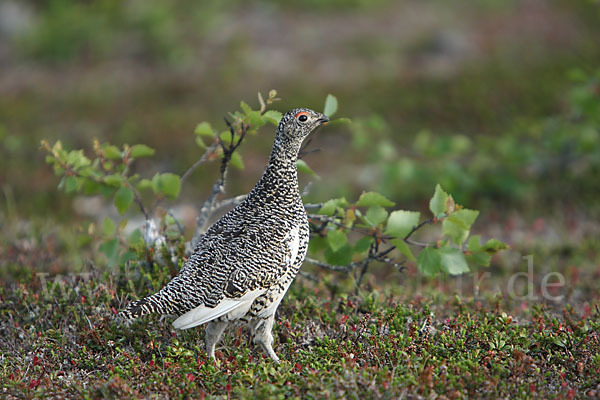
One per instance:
(496, 100)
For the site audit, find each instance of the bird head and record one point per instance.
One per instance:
(298, 123)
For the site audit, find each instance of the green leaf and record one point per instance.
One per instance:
(363, 244)
(402, 222)
(474, 243)
(464, 218)
(403, 248)
(111, 152)
(429, 261)
(123, 199)
(454, 232)
(136, 238)
(438, 202)
(368, 199)
(255, 119)
(141, 150)
(204, 129)
(110, 248)
(494, 245)
(72, 184)
(245, 107)
(330, 206)
(376, 215)
(272, 117)
(108, 227)
(457, 225)
(336, 239)
(170, 185)
(236, 160)
(453, 261)
(331, 105)
(225, 137)
(480, 258)
(90, 187)
(200, 143)
(144, 184)
(303, 167)
(127, 256)
(122, 224)
(341, 257)
(115, 180)
(77, 159)
(317, 244)
(156, 183)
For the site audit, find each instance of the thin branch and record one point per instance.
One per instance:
(313, 206)
(337, 268)
(306, 189)
(138, 200)
(209, 151)
(181, 230)
(303, 152)
(231, 202)
(417, 227)
(365, 263)
(398, 265)
(332, 220)
(408, 235)
(205, 211)
(136, 195)
(308, 276)
(219, 185)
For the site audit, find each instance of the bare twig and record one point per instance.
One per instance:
(365, 263)
(231, 202)
(209, 151)
(398, 265)
(408, 235)
(179, 226)
(138, 200)
(337, 268)
(303, 152)
(219, 186)
(417, 227)
(334, 221)
(313, 206)
(308, 276)
(306, 189)
(206, 209)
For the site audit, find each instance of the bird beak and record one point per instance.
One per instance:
(323, 120)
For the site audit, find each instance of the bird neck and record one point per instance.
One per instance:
(285, 151)
(282, 162)
(279, 182)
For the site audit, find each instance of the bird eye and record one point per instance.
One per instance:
(302, 116)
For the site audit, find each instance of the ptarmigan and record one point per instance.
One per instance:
(245, 263)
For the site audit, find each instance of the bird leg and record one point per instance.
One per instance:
(214, 330)
(261, 331)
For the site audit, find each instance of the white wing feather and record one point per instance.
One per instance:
(203, 314)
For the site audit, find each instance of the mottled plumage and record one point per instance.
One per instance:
(244, 264)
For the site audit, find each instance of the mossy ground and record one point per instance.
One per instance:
(392, 339)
